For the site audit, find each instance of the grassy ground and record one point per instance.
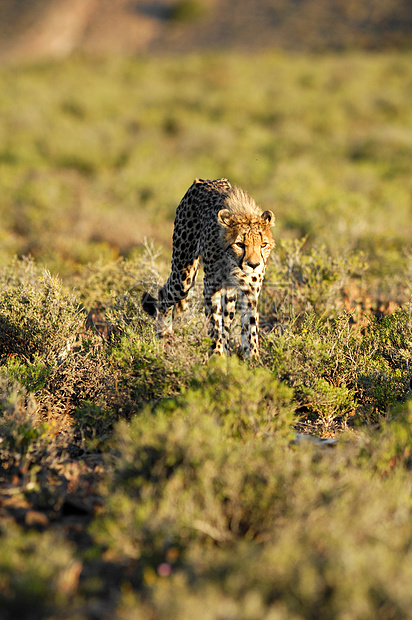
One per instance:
(135, 479)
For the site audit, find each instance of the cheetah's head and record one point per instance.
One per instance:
(247, 238)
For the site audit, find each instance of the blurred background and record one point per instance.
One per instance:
(56, 28)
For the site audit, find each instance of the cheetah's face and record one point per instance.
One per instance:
(248, 242)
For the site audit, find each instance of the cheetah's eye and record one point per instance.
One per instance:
(240, 245)
(264, 245)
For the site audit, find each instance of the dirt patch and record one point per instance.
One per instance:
(56, 28)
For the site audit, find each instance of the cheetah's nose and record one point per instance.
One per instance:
(252, 264)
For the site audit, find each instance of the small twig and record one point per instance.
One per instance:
(212, 531)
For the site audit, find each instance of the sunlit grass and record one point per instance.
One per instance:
(323, 140)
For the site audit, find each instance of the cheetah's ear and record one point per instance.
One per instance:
(269, 218)
(224, 217)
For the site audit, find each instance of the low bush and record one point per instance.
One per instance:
(39, 574)
(22, 429)
(303, 280)
(258, 529)
(37, 315)
(314, 357)
(195, 464)
(338, 369)
(384, 366)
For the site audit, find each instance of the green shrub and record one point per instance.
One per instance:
(118, 285)
(32, 374)
(32, 449)
(389, 448)
(247, 402)
(200, 464)
(384, 368)
(256, 528)
(45, 348)
(152, 369)
(37, 315)
(318, 359)
(39, 574)
(21, 426)
(149, 370)
(301, 282)
(337, 370)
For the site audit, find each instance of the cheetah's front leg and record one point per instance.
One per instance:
(249, 323)
(213, 310)
(228, 312)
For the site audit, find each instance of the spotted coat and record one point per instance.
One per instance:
(223, 226)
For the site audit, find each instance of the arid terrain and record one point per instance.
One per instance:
(55, 28)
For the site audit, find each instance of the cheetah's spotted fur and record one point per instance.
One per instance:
(224, 226)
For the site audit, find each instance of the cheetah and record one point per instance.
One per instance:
(222, 225)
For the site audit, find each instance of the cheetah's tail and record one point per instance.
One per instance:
(149, 304)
